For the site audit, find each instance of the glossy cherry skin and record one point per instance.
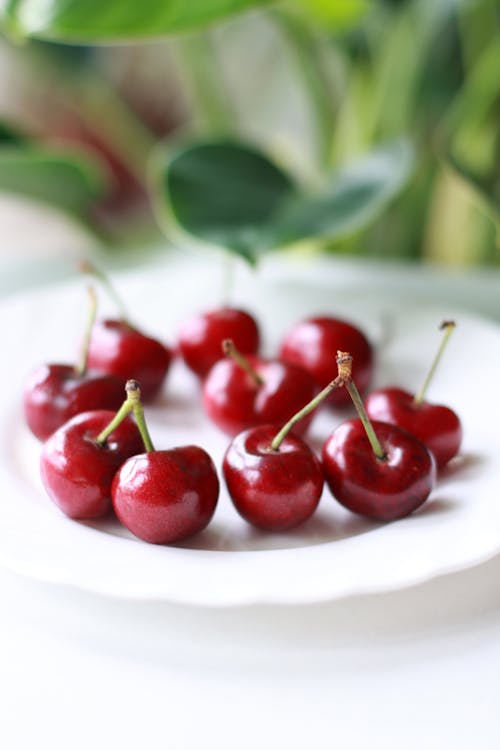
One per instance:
(380, 489)
(165, 496)
(200, 338)
(435, 425)
(119, 349)
(234, 402)
(273, 490)
(77, 472)
(55, 393)
(313, 344)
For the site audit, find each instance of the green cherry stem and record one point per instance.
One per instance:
(89, 268)
(132, 404)
(81, 368)
(230, 350)
(344, 363)
(448, 326)
(307, 409)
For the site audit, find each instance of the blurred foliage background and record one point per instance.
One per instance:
(100, 102)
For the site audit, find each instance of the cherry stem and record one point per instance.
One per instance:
(131, 404)
(448, 326)
(89, 268)
(344, 363)
(307, 409)
(230, 350)
(81, 368)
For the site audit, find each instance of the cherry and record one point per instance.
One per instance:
(56, 392)
(274, 490)
(377, 470)
(201, 337)
(274, 479)
(164, 496)
(118, 348)
(80, 459)
(435, 425)
(241, 392)
(311, 342)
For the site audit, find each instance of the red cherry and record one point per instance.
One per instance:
(77, 470)
(435, 425)
(119, 349)
(275, 490)
(311, 342)
(377, 469)
(55, 393)
(201, 337)
(383, 489)
(165, 496)
(251, 391)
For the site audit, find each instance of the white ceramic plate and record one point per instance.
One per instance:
(336, 553)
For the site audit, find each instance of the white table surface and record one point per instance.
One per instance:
(410, 669)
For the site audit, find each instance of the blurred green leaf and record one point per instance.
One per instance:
(337, 14)
(353, 197)
(97, 21)
(229, 195)
(472, 126)
(69, 182)
(225, 194)
(10, 135)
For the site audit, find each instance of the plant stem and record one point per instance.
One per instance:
(307, 409)
(89, 268)
(204, 77)
(370, 432)
(344, 362)
(131, 404)
(230, 350)
(448, 327)
(81, 369)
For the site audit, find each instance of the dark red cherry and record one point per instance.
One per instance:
(119, 349)
(235, 399)
(54, 393)
(384, 488)
(277, 489)
(77, 471)
(435, 425)
(312, 344)
(165, 496)
(201, 337)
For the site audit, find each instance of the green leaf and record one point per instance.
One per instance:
(232, 196)
(9, 135)
(96, 21)
(473, 137)
(353, 198)
(66, 181)
(225, 194)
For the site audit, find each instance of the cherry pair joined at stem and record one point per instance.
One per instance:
(276, 481)
(161, 496)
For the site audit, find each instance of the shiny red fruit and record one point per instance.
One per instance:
(274, 490)
(119, 349)
(77, 472)
(201, 337)
(234, 401)
(435, 425)
(165, 496)
(380, 489)
(55, 393)
(313, 344)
